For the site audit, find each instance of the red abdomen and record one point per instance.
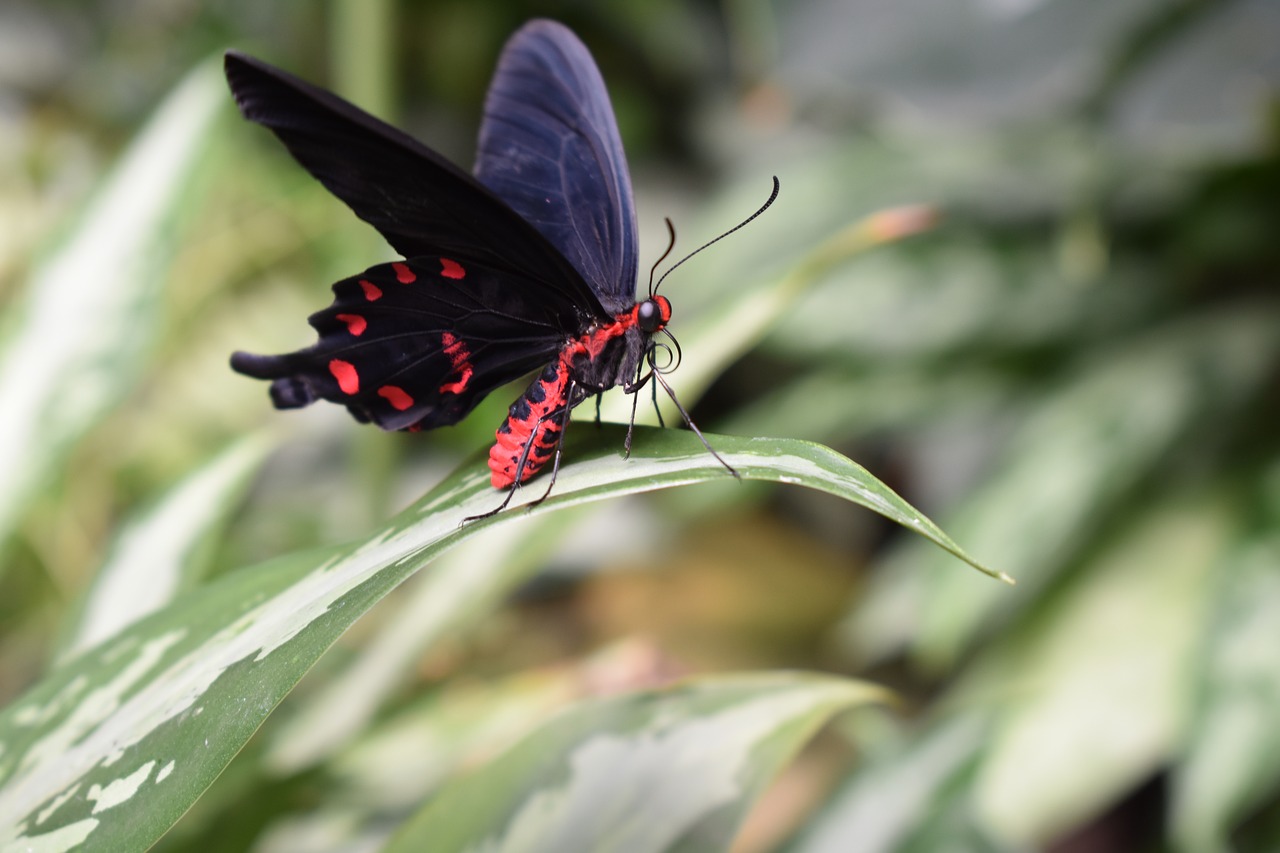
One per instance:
(534, 422)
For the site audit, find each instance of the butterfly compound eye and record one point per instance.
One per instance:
(649, 316)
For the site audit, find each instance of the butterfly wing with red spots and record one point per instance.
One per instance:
(417, 344)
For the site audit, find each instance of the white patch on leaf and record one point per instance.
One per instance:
(63, 838)
(48, 811)
(119, 791)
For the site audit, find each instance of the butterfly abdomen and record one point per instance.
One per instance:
(604, 357)
(533, 422)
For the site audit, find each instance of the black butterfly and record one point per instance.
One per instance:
(530, 264)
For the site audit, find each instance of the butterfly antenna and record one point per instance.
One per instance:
(671, 244)
(772, 196)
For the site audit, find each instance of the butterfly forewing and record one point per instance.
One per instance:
(549, 147)
(417, 344)
(421, 203)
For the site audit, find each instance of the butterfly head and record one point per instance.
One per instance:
(653, 314)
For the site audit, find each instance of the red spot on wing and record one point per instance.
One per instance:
(355, 323)
(453, 347)
(451, 269)
(396, 396)
(404, 275)
(345, 373)
(460, 357)
(458, 385)
(371, 291)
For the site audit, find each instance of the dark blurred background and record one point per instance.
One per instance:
(1074, 371)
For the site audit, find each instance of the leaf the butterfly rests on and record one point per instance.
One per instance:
(532, 263)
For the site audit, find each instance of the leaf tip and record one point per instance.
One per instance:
(1003, 577)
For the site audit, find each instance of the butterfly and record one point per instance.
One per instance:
(528, 265)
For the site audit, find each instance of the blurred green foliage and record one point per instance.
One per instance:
(1074, 371)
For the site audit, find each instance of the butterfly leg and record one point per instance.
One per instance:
(561, 412)
(656, 410)
(564, 428)
(511, 493)
(689, 421)
(634, 389)
(631, 424)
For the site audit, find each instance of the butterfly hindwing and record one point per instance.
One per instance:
(417, 344)
(550, 148)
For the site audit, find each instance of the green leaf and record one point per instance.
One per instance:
(115, 746)
(890, 796)
(717, 338)
(1103, 678)
(434, 606)
(1066, 469)
(931, 302)
(671, 770)
(156, 555)
(1230, 765)
(394, 765)
(91, 306)
(833, 402)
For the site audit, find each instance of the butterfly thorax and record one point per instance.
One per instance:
(608, 354)
(605, 356)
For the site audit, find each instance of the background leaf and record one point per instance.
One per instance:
(1119, 645)
(90, 308)
(1229, 766)
(157, 556)
(696, 756)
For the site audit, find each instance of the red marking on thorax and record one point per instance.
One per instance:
(355, 323)
(396, 396)
(460, 357)
(593, 343)
(404, 275)
(452, 269)
(371, 291)
(345, 373)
